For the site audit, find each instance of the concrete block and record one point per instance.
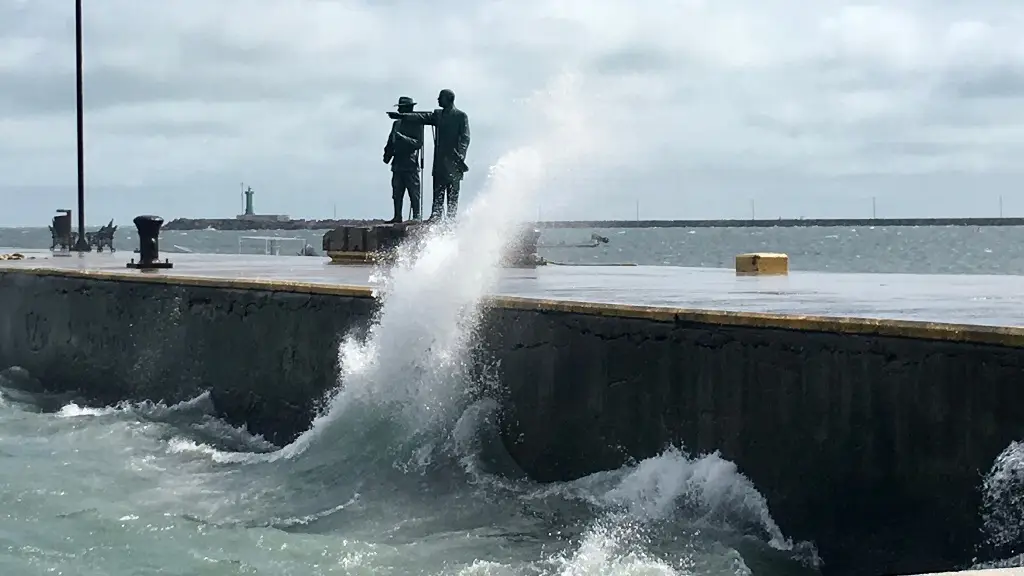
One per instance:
(356, 239)
(334, 240)
(762, 264)
(389, 237)
(372, 239)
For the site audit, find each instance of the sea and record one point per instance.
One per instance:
(912, 250)
(404, 471)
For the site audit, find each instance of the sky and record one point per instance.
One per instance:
(707, 109)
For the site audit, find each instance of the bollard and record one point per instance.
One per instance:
(61, 231)
(149, 244)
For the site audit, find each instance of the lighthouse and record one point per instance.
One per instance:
(250, 212)
(248, 201)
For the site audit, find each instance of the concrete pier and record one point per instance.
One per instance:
(865, 408)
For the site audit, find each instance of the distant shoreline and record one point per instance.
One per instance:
(239, 225)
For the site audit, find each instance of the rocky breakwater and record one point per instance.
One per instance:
(236, 224)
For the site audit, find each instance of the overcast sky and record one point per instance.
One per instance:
(794, 108)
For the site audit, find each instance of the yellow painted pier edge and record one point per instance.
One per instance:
(1009, 336)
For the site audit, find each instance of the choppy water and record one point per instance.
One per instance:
(146, 489)
(921, 250)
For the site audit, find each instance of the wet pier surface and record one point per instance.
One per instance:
(965, 299)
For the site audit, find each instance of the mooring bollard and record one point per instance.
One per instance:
(60, 233)
(149, 244)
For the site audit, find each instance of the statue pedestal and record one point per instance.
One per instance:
(363, 245)
(368, 245)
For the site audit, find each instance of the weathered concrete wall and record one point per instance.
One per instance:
(872, 444)
(267, 357)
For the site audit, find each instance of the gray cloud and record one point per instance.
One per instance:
(1004, 80)
(635, 59)
(689, 106)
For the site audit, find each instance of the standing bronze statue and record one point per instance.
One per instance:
(404, 151)
(451, 142)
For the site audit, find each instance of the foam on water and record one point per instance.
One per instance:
(1003, 509)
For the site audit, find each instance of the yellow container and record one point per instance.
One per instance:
(762, 264)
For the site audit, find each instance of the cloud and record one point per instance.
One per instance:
(705, 105)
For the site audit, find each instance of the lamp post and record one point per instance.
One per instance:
(80, 245)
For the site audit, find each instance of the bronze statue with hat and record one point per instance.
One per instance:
(451, 143)
(404, 151)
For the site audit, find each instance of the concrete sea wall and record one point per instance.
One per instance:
(868, 437)
(266, 354)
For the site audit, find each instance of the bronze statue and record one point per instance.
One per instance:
(404, 151)
(451, 142)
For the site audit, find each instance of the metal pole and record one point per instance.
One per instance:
(81, 245)
(1000, 206)
(873, 211)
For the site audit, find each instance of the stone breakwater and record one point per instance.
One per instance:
(239, 225)
(869, 438)
(236, 224)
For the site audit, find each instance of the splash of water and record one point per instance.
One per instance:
(412, 362)
(1003, 506)
(710, 488)
(607, 550)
